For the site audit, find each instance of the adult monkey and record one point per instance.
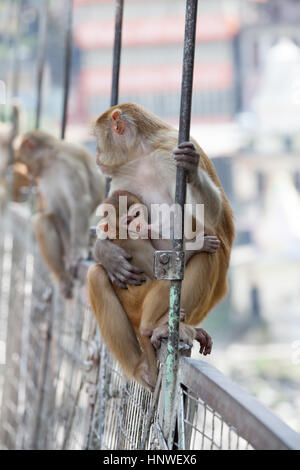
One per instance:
(71, 187)
(135, 149)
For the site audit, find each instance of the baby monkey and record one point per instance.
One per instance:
(146, 307)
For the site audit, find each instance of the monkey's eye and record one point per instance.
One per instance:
(137, 214)
(129, 219)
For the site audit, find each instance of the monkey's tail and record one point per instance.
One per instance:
(113, 321)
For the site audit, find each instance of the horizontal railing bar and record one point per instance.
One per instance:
(252, 420)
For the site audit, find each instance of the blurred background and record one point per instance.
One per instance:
(246, 117)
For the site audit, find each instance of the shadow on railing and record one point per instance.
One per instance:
(60, 389)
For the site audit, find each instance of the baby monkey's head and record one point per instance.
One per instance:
(124, 216)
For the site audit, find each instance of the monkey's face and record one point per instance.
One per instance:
(136, 221)
(25, 152)
(124, 216)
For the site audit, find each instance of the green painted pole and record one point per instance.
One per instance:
(178, 244)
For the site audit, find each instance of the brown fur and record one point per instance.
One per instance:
(72, 188)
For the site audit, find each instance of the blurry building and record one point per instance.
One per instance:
(266, 185)
(152, 56)
(264, 23)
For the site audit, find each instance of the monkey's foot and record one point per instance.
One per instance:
(146, 375)
(66, 287)
(163, 321)
(211, 244)
(205, 341)
(186, 334)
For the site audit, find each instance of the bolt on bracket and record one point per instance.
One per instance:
(169, 265)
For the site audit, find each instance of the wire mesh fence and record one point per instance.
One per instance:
(60, 388)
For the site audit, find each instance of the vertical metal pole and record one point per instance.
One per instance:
(16, 60)
(178, 245)
(19, 4)
(117, 53)
(114, 98)
(6, 43)
(68, 64)
(42, 38)
(105, 374)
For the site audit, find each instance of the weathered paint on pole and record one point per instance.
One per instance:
(178, 244)
(68, 64)
(43, 23)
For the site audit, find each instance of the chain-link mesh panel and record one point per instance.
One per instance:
(61, 389)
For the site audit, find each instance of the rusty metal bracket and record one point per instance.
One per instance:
(169, 265)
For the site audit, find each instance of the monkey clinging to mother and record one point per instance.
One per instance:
(139, 152)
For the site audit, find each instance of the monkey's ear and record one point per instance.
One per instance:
(118, 124)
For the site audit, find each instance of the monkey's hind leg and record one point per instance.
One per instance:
(113, 322)
(146, 370)
(52, 251)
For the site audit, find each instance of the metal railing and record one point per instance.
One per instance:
(60, 388)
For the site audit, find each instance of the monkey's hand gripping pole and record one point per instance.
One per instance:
(170, 264)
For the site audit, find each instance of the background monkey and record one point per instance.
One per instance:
(72, 188)
(135, 148)
(8, 132)
(145, 308)
(14, 179)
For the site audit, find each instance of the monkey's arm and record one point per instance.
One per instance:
(80, 215)
(201, 188)
(115, 261)
(79, 202)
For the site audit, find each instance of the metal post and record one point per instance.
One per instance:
(178, 245)
(68, 64)
(15, 121)
(6, 45)
(16, 60)
(117, 53)
(114, 99)
(43, 22)
(105, 374)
